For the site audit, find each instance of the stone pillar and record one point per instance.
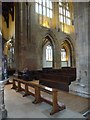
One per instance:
(89, 48)
(3, 111)
(57, 58)
(26, 53)
(81, 28)
(21, 36)
(16, 54)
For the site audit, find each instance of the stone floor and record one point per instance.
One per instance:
(22, 107)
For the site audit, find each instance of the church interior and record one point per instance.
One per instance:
(44, 59)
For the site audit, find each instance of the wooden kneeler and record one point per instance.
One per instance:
(19, 87)
(27, 92)
(55, 107)
(38, 99)
(14, 85)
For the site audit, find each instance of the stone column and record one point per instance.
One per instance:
(16, 54)
(3, 111)
(21, 37)
(26, 46)
(81, 28)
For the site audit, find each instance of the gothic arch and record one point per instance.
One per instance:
(47, 41)
(51, 36)
(69, 45)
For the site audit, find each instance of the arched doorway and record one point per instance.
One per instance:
(47, 53)
(66, 54)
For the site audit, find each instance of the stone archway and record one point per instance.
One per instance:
(48, 52)
(70, 58)
(55, 47)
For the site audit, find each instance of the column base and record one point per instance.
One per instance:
(3, 114)
(79, 89)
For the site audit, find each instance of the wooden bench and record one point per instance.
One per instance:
(38, 98)
(57, 81)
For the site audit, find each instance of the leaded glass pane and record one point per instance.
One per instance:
(50, 13)
(50, 5)
(40, 9)
(44, 10)
(36, 7)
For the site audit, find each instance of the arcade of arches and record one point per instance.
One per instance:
(48, 34)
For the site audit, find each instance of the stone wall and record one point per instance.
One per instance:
(81, 22)
(30, 36)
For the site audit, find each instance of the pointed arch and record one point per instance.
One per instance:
(52, 38)
(67, 44)
(48, 52)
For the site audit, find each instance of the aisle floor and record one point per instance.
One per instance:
(22, 107)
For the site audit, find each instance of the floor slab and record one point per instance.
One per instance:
(22, 107)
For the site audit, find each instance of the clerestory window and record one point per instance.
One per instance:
(64, 13)
(44, 10)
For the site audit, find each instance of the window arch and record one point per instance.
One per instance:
(47, 53)
(66, 55)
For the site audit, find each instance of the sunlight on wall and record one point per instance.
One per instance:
(45, 24)
(45, 21)
(7, 32)
(68, 29)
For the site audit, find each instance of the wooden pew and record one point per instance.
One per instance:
(58, 78)
(35, 74)
(56, 81)
(55, 78)
(38, 88)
